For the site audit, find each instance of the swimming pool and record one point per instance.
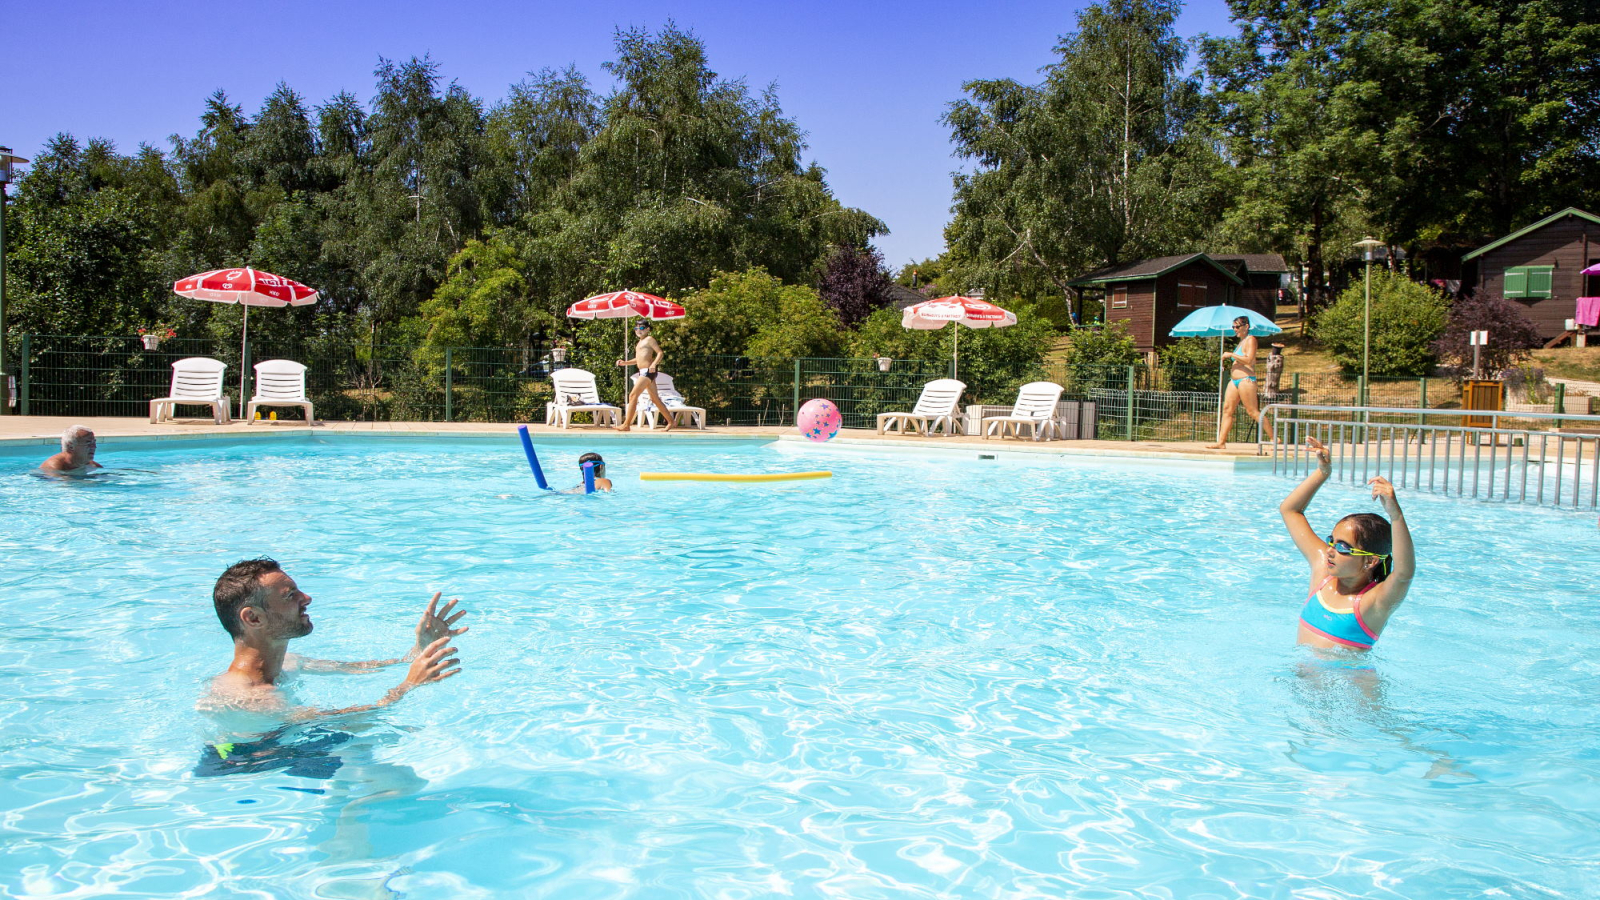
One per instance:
(928, 677)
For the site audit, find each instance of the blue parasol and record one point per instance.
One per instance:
(1217, 322)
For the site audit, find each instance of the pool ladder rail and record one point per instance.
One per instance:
(1435, 450)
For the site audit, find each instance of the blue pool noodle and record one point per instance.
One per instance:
(533, 461)
(588, 478)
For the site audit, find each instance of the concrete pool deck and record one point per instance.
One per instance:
(45, 431)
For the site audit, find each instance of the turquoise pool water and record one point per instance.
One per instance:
(927, 677)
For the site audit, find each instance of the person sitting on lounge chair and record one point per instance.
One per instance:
(77, 454)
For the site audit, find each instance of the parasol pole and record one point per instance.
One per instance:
(1222, 388)
(244, 342)
(955, 366)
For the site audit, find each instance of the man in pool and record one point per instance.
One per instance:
(647, 356)
(263, 609)
(76, 456)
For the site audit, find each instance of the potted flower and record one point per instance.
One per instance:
(558, 353)
(152, 335)
(884, 363)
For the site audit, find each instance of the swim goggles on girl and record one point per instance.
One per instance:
(1343, 548)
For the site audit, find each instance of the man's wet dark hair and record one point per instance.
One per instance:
(239, 586)
(1374, 535)
(599, 464)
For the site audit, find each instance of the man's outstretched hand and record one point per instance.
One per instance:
(436, 662)
(435, 623)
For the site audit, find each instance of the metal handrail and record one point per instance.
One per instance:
(1568, 472)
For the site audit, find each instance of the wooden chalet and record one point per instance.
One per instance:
(1263, 275)
(1152, 295)
(1541, 267)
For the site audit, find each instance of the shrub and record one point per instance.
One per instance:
(752, 313)
(1191, 364)
(1511, 335)
(1406, 319)
(1095, 354)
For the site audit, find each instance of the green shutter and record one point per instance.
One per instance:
(1516, 282)
(1541, 280)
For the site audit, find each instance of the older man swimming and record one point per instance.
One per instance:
(76, 456)
(263, 609)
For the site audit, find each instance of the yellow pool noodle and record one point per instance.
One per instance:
(707, 476)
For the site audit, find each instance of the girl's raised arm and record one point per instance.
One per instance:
(1293, 507)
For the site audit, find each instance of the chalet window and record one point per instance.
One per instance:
(1191, 296)
(1530, 282)
(1119, 298)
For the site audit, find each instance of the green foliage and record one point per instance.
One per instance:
(421, 213)
(1407, 318)
(994, 361)
(1100, 163)
(754, 314)
(484, 302)
(1097, 354)
(1191, 364)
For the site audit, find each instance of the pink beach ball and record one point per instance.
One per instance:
(819, 420)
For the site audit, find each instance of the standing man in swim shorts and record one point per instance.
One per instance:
(1242, 384)
(648, 356)
(263, 609)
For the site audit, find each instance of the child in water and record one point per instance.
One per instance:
(1359, 574)
(601, 482)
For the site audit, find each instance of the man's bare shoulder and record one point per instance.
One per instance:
(234, 691)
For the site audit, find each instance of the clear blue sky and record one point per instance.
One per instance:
(868, 81)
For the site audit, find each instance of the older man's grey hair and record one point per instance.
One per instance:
(73, 435)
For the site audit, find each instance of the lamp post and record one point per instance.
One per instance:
(1368, 246)
(6, 160)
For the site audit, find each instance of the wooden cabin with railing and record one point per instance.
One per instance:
(1541, 268)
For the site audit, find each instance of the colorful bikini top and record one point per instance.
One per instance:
(1343, 628)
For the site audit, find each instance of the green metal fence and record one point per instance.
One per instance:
(117, 376)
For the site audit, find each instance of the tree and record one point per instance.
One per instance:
(1511, 335)
(1082, 170)
(1406, 319)
(753, 313)
(1292, 113)
(853, 284)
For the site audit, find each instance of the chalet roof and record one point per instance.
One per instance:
(901, 296)
(1143, 269)
(1553, 217)
(1266, 263)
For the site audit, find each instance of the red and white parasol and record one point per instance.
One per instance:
(622, 304)
(246, 287)
(930, 315)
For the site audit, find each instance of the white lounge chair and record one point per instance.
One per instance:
(575, 393)
(936, 406)
(196, 381)
(280, 382)
(647, 414)
(1035, 408)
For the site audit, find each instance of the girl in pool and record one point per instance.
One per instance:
(1359, 574)
(1241, 384)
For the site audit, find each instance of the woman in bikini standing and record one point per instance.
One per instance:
(1242, 384)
